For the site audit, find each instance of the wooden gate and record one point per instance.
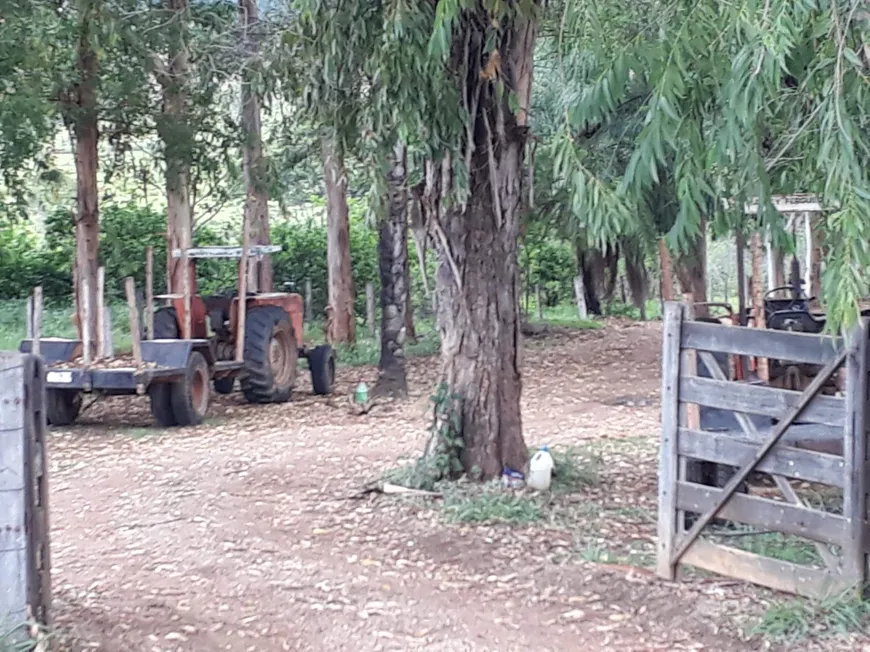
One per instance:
(25, 587)
(774, 433)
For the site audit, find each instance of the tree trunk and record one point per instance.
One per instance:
(341, 320)
(637, 276)
(610, 273)
(87, 163)
(253, 162)
(691, 268)
(478, 271)
(816, 257)
(177, 135)
(590, 265)
(393, 264)
(668, 292)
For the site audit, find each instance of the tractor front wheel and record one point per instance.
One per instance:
(321, 362)
(166, 324)
(270, 356)
(62, 406)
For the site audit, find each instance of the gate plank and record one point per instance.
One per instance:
(764, 513)
(781, 345)
(726, 448)
(773, 573)
(756, 399)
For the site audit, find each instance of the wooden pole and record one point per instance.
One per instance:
(763, 368)
(149, 292)
(309, 300)
(187, 327)
(539, 303)
(29, 316)
(101, 313)
(135, 328)
(243, 292)
(741, 275)
(36, 344)
(371, 314)
(86, 321)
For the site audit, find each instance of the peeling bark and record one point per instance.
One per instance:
(478, 276)
(691, 268)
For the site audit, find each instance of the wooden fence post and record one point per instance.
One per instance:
(101, 313)
(149, 293)
(668, 456)
(36, 343)
(855, 456)
(135, 328)
(539, 303)
(24, 551)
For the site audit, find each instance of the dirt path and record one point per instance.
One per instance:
(241, 534)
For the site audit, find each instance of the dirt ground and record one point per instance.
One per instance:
(242, 534)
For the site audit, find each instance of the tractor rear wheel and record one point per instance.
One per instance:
(166, 324)
(225, 385)
(321, 362)
(190, 395)
(270, 356)
(62, 406)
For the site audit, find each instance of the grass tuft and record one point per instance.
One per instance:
(798, 619)
(489, 503)
(573, 468)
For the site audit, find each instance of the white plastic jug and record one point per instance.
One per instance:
(540, 470)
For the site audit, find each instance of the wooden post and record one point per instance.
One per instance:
(135, 328)
(309, 300)
(36, 342)
(29, 310)
(539, 302)
(108, 340)
(85, 321)
(149, 292)
(187, 328)
(101, 313)
(741, 275)
(668, 455)
(762, 366)
(243, 292)
(855, 456)
(371, 313)
(580, 297)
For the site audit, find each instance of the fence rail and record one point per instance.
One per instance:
(773, 433)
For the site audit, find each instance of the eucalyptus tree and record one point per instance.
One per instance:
(746, 99)
(456, 82)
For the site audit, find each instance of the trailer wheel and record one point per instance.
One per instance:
(161, 405)
(166, 324)
(225, 385)
(321, 362)
(190, 395)
(270, 356)
(62, 406)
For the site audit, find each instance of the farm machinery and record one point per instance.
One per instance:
(191, 344)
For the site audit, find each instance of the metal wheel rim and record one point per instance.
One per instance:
(280, 357)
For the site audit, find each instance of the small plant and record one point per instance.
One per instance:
(490, 503)
(797, 619)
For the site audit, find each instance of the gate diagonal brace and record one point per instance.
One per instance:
(737, 479)
(830, 559)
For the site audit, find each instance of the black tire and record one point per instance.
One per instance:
(62, 406)
(161, 405)
(270, 356)
(225, 385)
(166, 324)
(190, 396)
(321, 362)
